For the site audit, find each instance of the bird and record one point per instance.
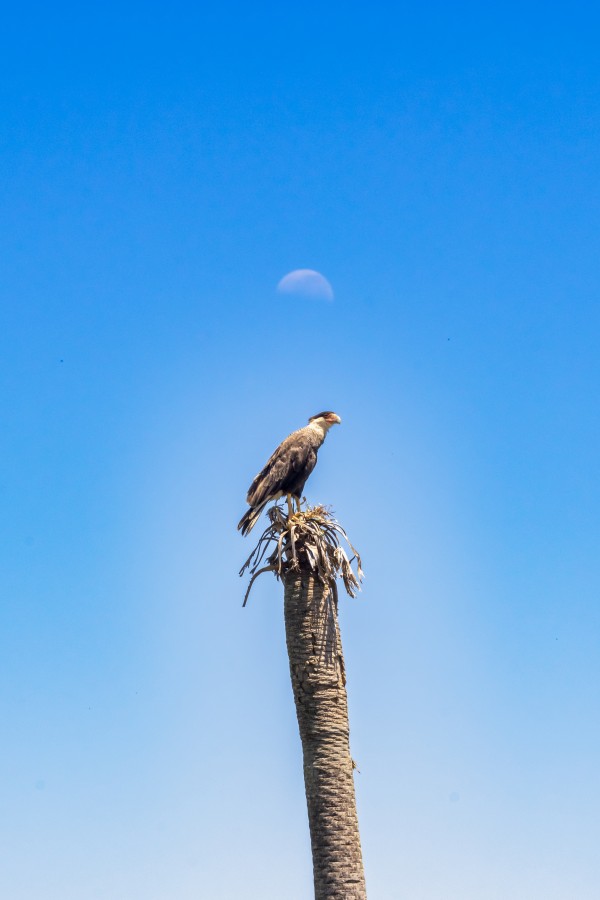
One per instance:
(288, 469)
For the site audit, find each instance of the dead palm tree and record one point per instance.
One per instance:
(307, 556)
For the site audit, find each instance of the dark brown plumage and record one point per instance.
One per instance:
(288, 469)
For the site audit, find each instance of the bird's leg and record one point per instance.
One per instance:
(291, 528)
(298, 504)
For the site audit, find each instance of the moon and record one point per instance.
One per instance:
(306, 283)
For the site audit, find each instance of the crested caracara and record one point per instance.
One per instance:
(288, 468)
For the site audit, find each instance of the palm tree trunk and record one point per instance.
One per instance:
(319, 687)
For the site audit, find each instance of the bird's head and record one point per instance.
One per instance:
(325, 420)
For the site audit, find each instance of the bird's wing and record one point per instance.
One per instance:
(293, 454)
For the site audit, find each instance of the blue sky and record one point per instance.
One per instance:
(164, 167)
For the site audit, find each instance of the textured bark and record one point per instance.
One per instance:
(319, 687)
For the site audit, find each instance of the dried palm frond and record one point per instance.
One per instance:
(312, 538)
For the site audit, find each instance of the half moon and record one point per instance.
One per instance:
(306, 283)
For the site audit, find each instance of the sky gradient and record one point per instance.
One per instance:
(164, 167)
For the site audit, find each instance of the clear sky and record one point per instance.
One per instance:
(164, 166)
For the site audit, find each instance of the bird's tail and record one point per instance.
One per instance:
(250, 518)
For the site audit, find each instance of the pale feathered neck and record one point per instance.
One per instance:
(320, 427)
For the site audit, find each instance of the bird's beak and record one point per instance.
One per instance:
(337, 420)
